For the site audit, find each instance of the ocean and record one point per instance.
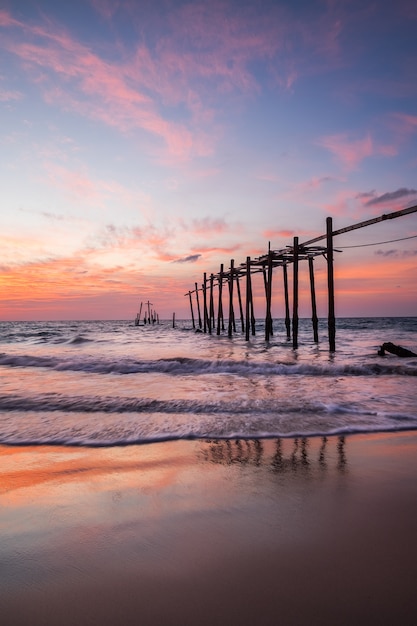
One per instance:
(108, 383)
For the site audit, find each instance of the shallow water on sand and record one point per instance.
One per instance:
(111, 383)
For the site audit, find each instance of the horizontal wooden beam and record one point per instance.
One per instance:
(375, 220)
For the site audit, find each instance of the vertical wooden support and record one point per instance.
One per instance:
(252, 314)
(242, 321)
(198, 306)
(211, 302)
(191, 307)
(265, 279)
(204, 285)
(173, 320)
(248, 297)
(231, 312)
(331, 321)
(295, 296)
(287, 305)
(220, 304)
(268, 316)
(313, 300)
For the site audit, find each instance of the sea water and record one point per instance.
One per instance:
(106, 383)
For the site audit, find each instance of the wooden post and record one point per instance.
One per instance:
(173, 320)
(191, 306)
(211, 302)
(198, 306)
(137, 320)
(231, 312)
(268, 316)
(252, 314)
(205, 301)
(248, 297)
(331, 321)
(242, 321)
(295, 296)
(220, 304)
(287, 305)
(313, 300)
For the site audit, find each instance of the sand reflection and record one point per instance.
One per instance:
(301, 454)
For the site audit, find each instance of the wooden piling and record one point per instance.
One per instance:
(242, 321)
(268, 316)
(248, 297)
(295, 295)
(205, 303)
(331, 321)
(231, 312)
(191, 306)
(287, 305)
(290, 255)
(173, 320)
(314, 318)
(211, 302)
(198, 306)
(220, 321)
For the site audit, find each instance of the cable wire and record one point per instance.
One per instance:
(378, 243)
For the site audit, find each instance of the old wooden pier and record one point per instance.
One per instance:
(294, 254)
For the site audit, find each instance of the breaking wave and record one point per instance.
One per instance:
(188, 366)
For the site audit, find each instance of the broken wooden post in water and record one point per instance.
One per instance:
(137, 319)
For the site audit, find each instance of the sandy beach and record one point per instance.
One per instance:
(307, 531)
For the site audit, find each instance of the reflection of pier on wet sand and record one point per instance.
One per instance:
(281, 455)
(261, 531)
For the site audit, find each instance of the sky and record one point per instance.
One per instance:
(143, 143)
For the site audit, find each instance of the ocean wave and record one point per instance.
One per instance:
(86, 441)
(50, 402)
(188, 366)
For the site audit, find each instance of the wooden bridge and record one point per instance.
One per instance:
(291, 254)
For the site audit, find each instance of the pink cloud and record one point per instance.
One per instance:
(7, 96)
(101, 90)
(351, 152)
(211, 44)
(405, 123)
(7, 20)
(274, 234)
(208, 225)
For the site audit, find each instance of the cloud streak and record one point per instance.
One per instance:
(191, 258)
(386, 198)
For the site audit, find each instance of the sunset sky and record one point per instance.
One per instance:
(144, 142)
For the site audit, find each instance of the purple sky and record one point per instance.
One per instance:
(144, 143)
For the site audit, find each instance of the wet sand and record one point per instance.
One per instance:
(262, 532)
